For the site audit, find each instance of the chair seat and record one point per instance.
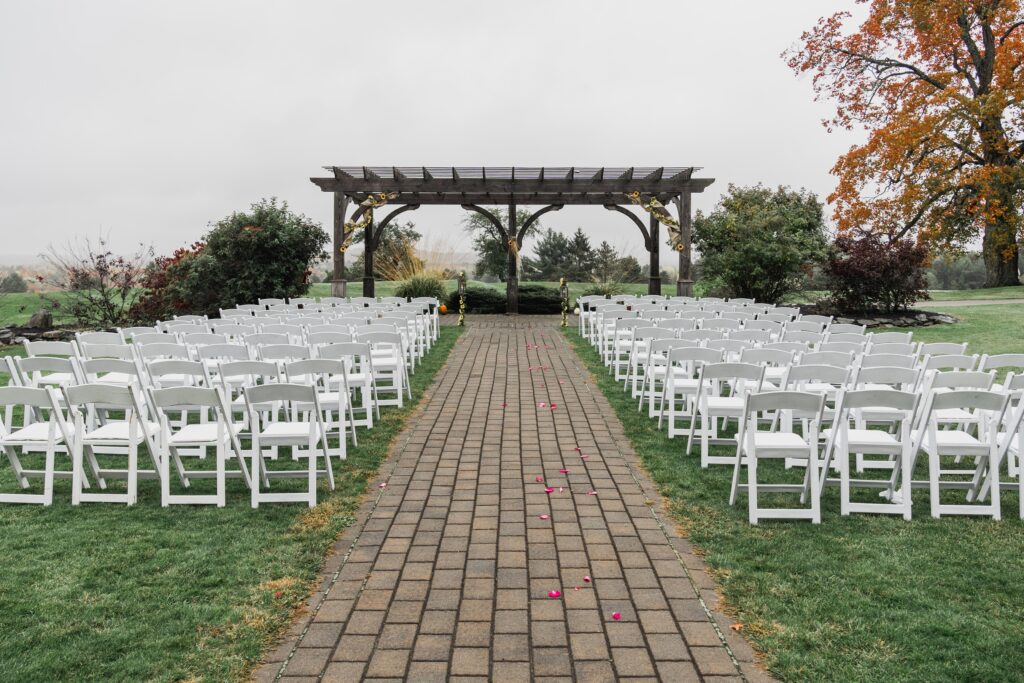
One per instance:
(778, 441)
(37, 432)
(278, 430)
(199, 433)
(722, 404)
(774, 373)
(954, 415)
(954, 438)
(868, 438)
(119, 378)
(118, 431)
(57, 378)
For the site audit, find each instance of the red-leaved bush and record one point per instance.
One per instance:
(870, 272)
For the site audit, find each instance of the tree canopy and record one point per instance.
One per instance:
(761, 243)
(938, 86)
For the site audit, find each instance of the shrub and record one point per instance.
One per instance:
(100, 288)
(871, 272)
(604, 289)
(421, 285)
(761, 243)
(268, 252)
(13, 283)
(539, 300)
(479, 300)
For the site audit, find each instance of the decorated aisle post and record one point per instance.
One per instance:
(462, 299)
(563, 291)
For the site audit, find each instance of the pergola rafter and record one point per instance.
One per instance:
(475, 187)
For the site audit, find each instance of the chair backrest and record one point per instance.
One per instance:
(179, 351)
(801, 404)
(279, 391)
(50, 348)
(737, 315)
(93, 368)
(841, 347)
(796, 348)
(906, 378)
(701, 335)
(129, 333)
(223, 352)
(264, 338)
(120, 351)
(332, 300)
(950, 362)
(677, 324)
(266, 303)
(877, 360)
(892, 338)
(35, 368)
(1002, 360)
(733, 371)
(839, 359)
(809, 338)
(187, 397)
(642, 333)
(944, 349)
(29, 397)
(99, 338)
(756, 336)
(375, 338)
(848, 337)
(774, 357)
(251, 370)
(154, 338)
(284, 352)
(315, 370)
(781, 318)
(961, 379)
(901, 348)
(823, 320)
(799, 375)
(333, 337)
(857, 399)
(967, 399)
(108, 395)
(846, 328)
(732, 347)
(804, 326)
(720, 324)
(196, 338)
(193, 369)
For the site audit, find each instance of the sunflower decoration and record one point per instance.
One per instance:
(653, 206)
(372, 201)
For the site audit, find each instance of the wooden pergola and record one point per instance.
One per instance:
(475, 187)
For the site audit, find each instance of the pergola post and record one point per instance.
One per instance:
(368, 281)
(684, 281)
(654, 250)
(338, 284)
(512, 279)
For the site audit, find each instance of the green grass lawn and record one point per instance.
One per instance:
(980, 294)
(865, 598)
(103, 592)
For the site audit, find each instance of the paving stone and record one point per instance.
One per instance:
(445, 576)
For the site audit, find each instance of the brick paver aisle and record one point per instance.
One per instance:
(447, 575)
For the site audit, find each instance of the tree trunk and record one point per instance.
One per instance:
(999, 248)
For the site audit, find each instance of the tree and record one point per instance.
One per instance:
(761, 243)
(606, 259)
(267, 252)
(100, 287)
(868, 271)
(552, 256)
(939, 87)
(580, 266)
(490, 246)
(13, 283)
(628, 269)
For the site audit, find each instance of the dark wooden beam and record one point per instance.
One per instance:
(684, 280)
(622, 184)
(533, 218)
(338, 285)
(636, 220)
(490, 217)
(654, 254)
(387, 220)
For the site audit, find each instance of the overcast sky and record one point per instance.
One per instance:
(145, 121)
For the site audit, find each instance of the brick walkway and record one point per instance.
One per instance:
(447, 574)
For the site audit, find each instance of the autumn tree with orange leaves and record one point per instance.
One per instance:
(938, 85)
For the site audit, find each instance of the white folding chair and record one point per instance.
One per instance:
(277, 428)
(46, 432)
(757, 444)
(215, 429)
(721, 391)
(98, 431)
(358, 359)
(679, 387)
(329, 378)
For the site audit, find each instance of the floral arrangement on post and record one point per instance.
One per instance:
(462, 299)
(563, 291)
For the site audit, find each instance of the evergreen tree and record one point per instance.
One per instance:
(13, 283)
(606, 261)
(552, 259)
(581, 258)
(490, 246)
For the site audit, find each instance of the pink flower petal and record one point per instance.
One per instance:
(553, 406)
(542, 404)
(564, 471)
(561, 488)
(577, 449)
(616, 616)
(591, 493)
(544, 516)
(576, 588)
(382, 485)
(586, 579)
(554, 594)
(504, 405)
(584, 456)
(549, 490)
(540, 478)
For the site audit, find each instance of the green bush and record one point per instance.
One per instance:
(13, 283)
(479, 300)
(604, 289)
(421, 285)
(539, 300)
